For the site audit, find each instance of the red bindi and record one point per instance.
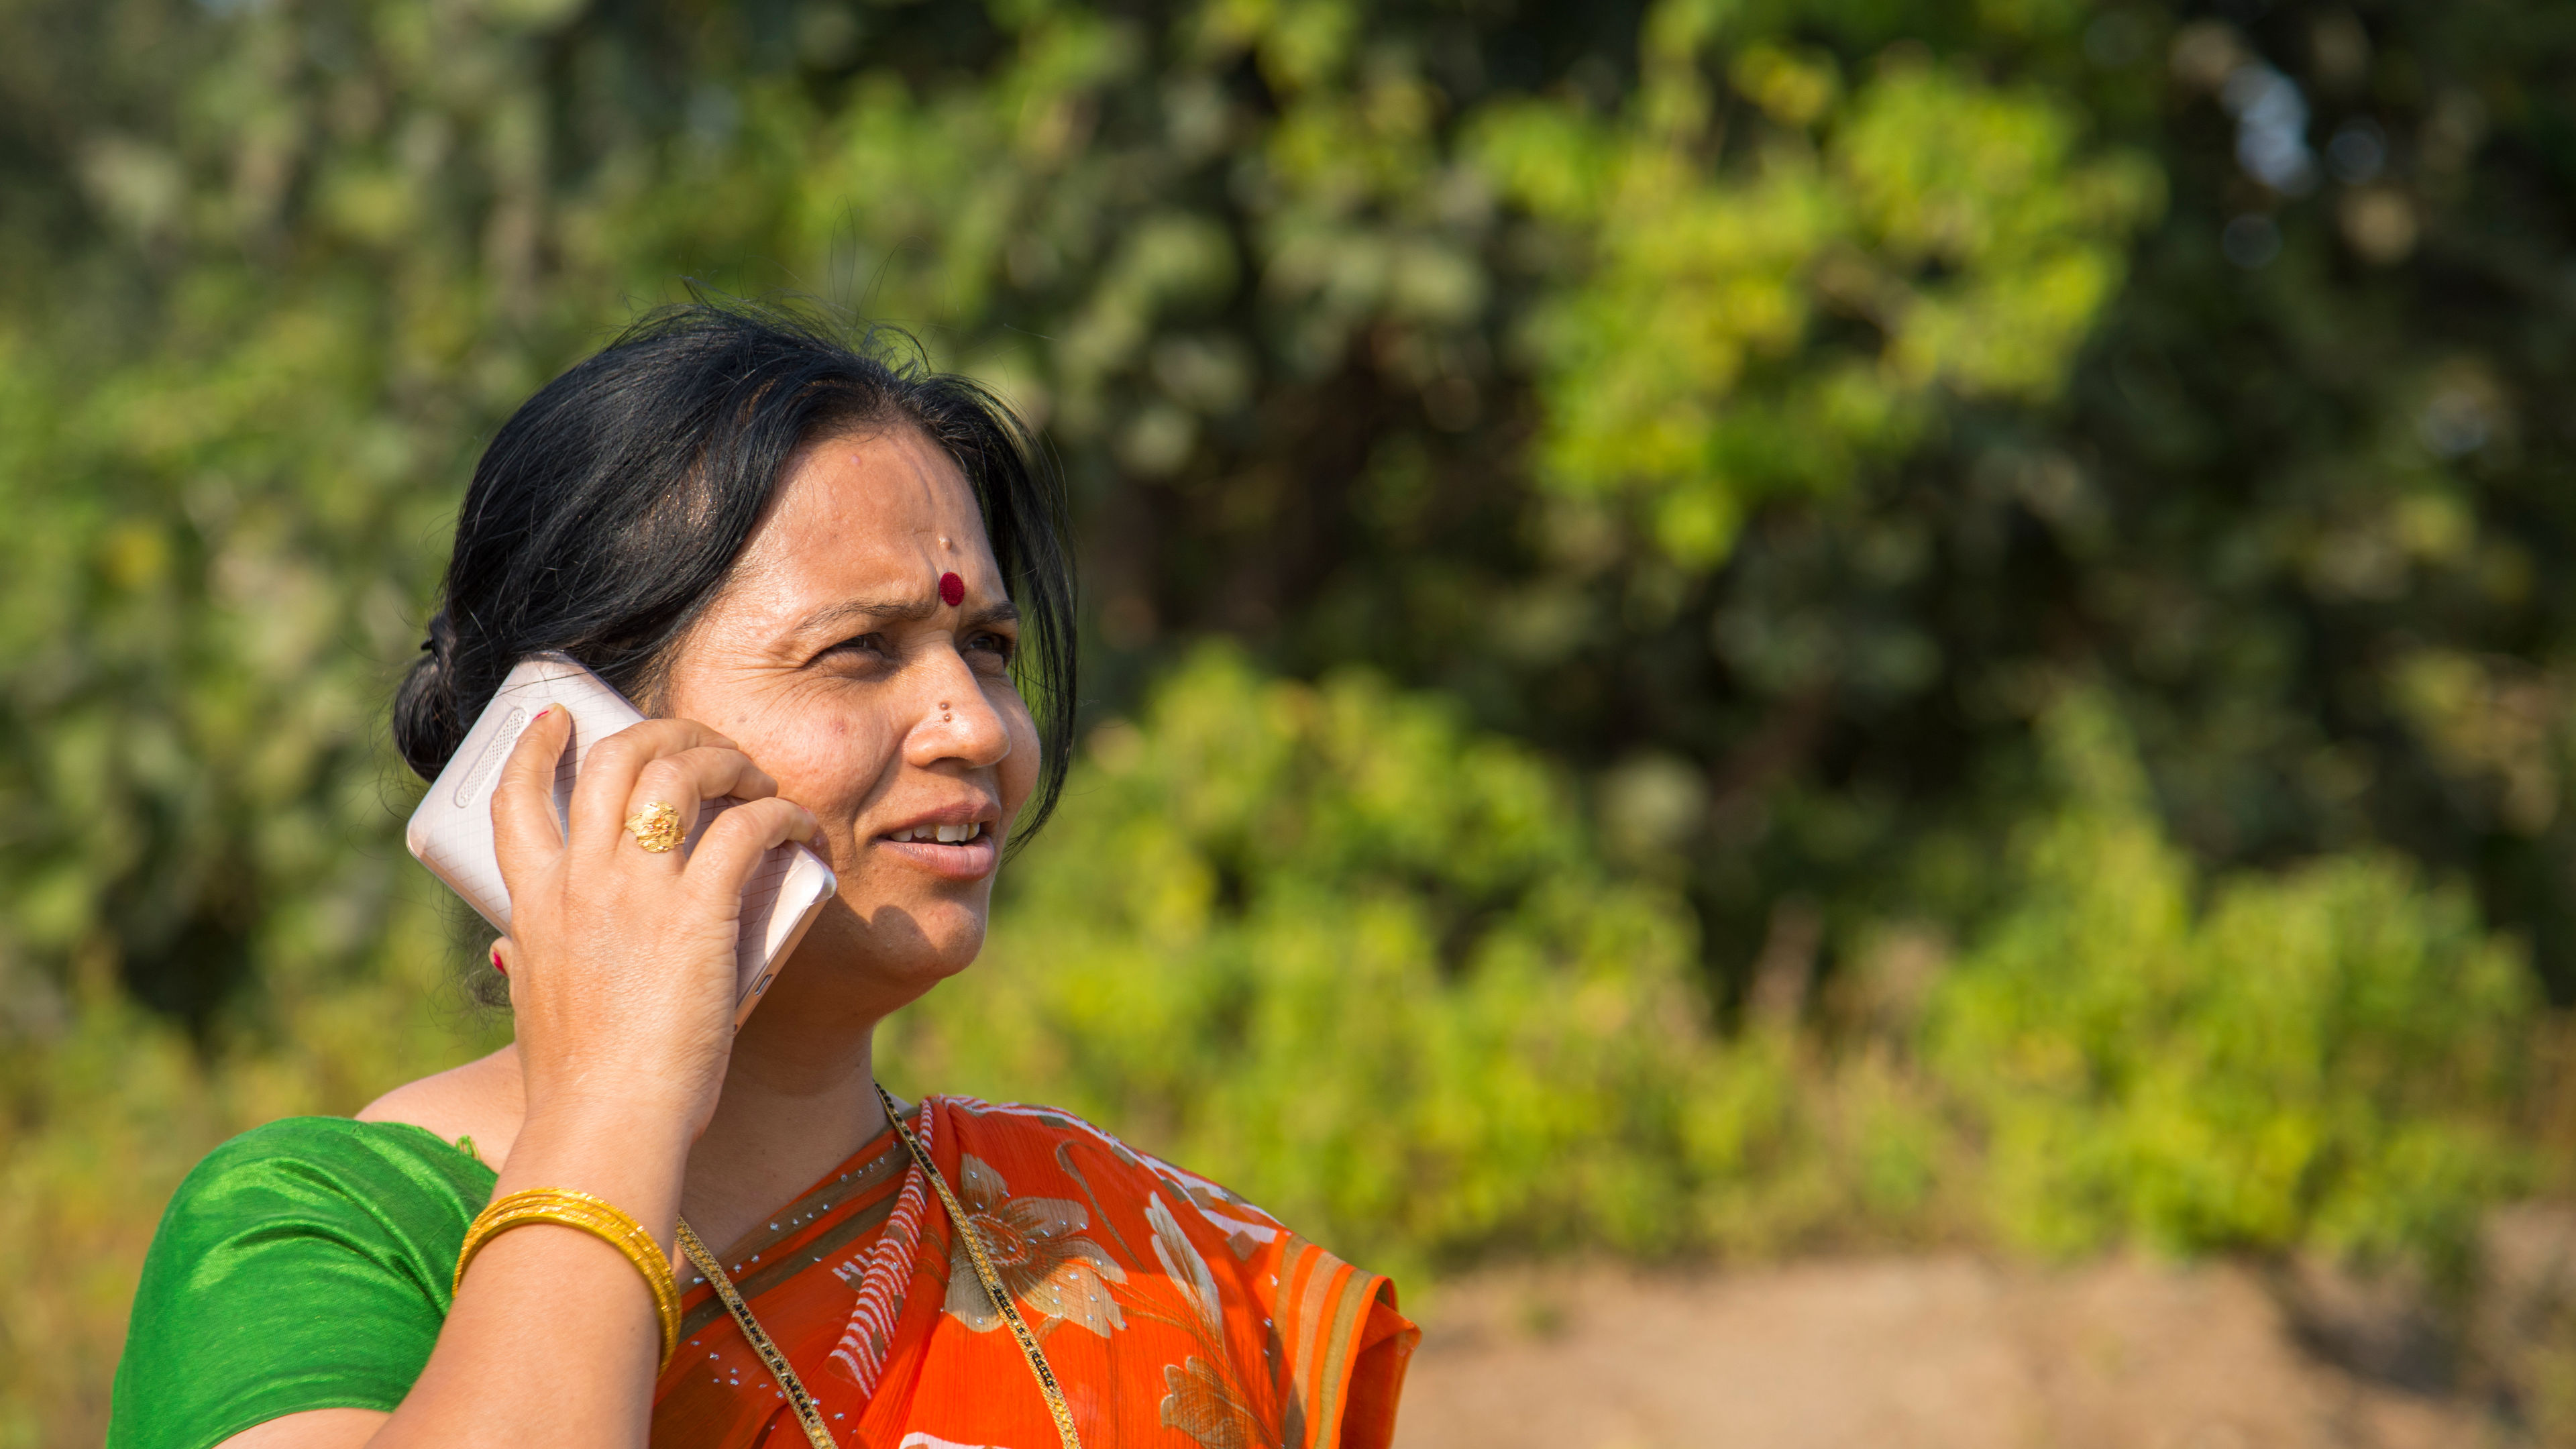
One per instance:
(952, 590)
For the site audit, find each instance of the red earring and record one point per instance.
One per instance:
(496, 962)
(952, 590)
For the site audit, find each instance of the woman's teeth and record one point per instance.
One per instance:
(944, 834)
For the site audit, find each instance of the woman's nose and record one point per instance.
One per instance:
(959, 723)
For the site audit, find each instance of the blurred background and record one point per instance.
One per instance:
(1911, 657)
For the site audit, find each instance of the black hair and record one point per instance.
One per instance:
(613, 505)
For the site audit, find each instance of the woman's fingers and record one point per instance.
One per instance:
(601, 798)
(732, 848)
(525, 832)
(715, 771)
(684, 780)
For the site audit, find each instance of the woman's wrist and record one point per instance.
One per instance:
(626, 1153)
(647, 1106)
(603, 1085)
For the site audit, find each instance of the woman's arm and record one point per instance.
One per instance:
(621, 981)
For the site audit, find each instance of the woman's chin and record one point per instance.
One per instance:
(913, 944)
(943, 953)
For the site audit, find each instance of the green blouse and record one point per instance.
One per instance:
(303, 1265)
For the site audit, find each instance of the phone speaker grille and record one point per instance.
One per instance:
(494, 750)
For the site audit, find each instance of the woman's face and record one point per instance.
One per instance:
(832, 659)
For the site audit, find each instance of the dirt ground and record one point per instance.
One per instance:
(1956, 1352)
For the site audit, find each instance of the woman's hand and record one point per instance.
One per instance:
(622, 960)
(621, 967)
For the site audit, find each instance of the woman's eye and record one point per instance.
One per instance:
(986, 641)
(865, 644)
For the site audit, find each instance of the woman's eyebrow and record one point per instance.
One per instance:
(895, 611)
(836, 616)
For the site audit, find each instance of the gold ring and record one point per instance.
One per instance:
(656, 827)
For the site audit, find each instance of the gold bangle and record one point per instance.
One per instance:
(596, 1217)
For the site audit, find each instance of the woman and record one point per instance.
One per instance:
(820, 574)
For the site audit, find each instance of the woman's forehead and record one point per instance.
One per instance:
(877, 508)
(892, 478)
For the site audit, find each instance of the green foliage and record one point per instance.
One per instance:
(1706, 361)
(193, 699)
(1765, 392)
(2325, 1058)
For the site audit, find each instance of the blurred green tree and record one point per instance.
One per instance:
(1759, 407)
(2327, 1057)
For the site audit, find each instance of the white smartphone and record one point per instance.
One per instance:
(451, 832)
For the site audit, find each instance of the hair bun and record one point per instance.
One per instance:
(442, 637)
(426, 726)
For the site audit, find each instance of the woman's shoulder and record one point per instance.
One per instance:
(302, 1265)
(1088, 1203)
(1029, 1126)
(479, 1102)
(324, 1167)
(976, 1117)
(1051, 1142)
(332, 1138)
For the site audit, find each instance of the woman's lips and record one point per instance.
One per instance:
(966, 861)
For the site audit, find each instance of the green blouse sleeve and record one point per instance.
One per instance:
(302, 1265)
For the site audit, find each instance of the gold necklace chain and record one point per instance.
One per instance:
(1001, 1296)
(808, 1414)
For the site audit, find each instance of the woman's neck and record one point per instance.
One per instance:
(799, 1098)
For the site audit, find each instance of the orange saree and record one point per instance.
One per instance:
(1172, 1312)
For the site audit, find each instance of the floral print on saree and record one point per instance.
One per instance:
(1173, 1312)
